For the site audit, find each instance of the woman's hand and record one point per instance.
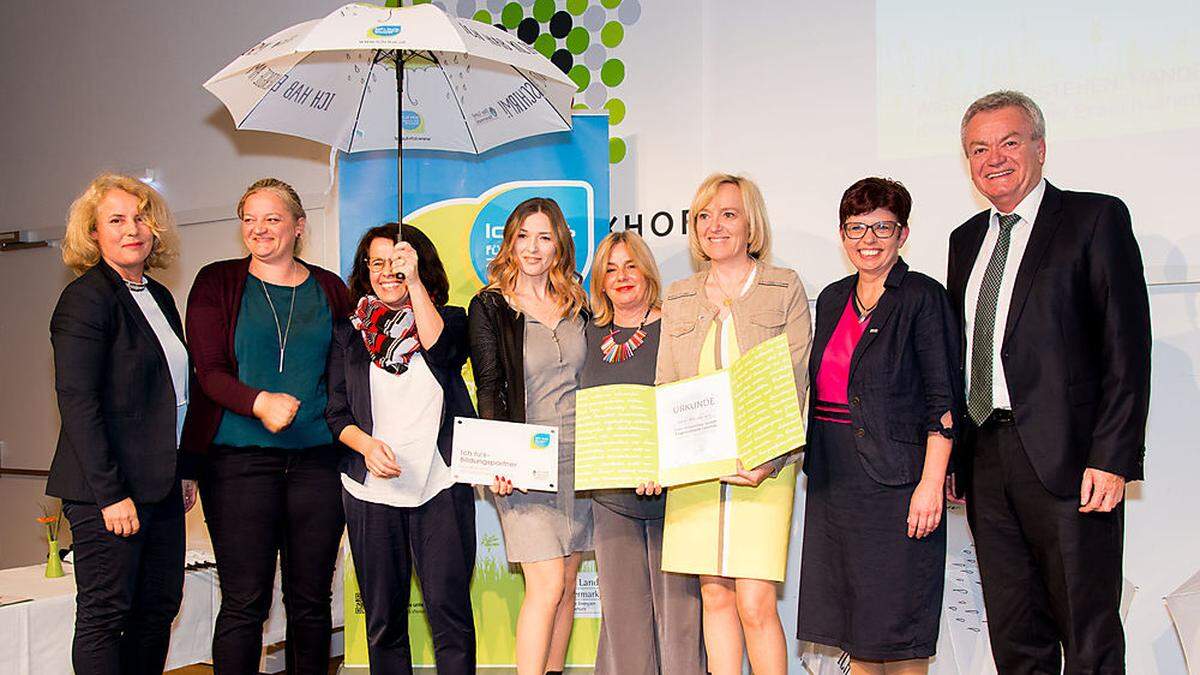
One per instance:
(276, 411)
(380, 459)
(649, 489)
(404, 263)
(121, 518)
(503, 487)
(749, 478)
(925, 508)
(189, 494)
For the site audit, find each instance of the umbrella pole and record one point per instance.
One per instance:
(399, 144)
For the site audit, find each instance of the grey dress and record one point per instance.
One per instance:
(546, 525)
(651, 618)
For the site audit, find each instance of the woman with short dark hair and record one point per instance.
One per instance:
(882, 418)
(395, 387)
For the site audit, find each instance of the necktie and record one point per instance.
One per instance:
(979, 398)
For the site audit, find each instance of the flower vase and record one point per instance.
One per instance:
(54, 567)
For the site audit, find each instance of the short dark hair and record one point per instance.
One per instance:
(873, 193)
(429, 264)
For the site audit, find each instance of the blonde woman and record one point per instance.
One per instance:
(527, 350)
(261, 327)
(733, 533)
(651, 618)
(121, 374)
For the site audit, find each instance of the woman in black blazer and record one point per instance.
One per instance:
(395, 387)
(882, 417)
(121, 374)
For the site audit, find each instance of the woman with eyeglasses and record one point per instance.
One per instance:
(395, 387)
(882, 417)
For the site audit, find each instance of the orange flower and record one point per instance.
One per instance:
(45, 520)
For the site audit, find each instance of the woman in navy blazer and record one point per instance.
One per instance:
(882, 415)
(395, 387)
(121, 374)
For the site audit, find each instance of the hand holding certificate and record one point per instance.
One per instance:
(526, 454)
(692, 430)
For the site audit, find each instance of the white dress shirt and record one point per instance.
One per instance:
(177, 356)
(1028, 211)
(406, 410)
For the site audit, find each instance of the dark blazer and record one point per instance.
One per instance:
(212, 313)
(1076, 348)
(116, 399)
(350, 384)
(903, 373)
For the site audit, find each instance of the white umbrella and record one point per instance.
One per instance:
(1183, 604)
(464, 86)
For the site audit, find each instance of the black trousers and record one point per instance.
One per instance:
(436, 538)
(128, 589)
(1051, 575)
(259, 502)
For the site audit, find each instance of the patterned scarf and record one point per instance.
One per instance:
(390, 335)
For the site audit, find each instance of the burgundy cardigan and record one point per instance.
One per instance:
(212, 311)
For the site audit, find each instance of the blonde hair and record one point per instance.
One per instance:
(80, 251)
(642, 258)
(563, 282)
(287, 195)
(758, 238)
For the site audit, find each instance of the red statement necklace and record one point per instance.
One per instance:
(615, 353)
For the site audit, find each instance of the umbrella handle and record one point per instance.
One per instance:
(399, 144)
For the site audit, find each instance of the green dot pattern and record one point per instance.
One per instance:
(596, 84)
(577, 40)
(543, 10)
(612, 34)
(612, 72)
(616, 110)
(616, 150)
(511, 15)
(545, 44)
(580, 76)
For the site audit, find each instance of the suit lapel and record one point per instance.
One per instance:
(976, 230)
(1039, 242)
(125, 297)
(881, 315)
(839, 295)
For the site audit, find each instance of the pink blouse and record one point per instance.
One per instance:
(833, 378)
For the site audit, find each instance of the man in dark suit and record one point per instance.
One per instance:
(1051, 292)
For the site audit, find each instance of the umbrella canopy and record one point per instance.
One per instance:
(1183, 603)
(465, 86)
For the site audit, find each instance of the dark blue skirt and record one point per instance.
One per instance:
(865, 586)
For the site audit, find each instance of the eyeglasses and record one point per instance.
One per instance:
(883, 229)
(377, 265)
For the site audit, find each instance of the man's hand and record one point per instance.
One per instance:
(121, 518)
(1100, 491)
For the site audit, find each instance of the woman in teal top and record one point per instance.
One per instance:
(262, 327)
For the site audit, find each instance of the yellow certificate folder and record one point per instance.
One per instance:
(692, 430)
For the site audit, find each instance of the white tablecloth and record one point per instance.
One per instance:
(35, 636)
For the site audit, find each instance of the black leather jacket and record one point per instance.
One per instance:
(497, 339)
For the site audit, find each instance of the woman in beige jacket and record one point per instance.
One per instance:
(733, 532)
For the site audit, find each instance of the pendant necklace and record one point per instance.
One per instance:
(728, 301)
(615, 353)
(864, 311)
(281, 332)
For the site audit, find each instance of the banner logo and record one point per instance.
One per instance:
(539, 441)
(384, 31)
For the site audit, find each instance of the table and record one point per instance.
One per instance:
(35, 636)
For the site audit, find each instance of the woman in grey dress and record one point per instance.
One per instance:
(651, 618)
(527, 349)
